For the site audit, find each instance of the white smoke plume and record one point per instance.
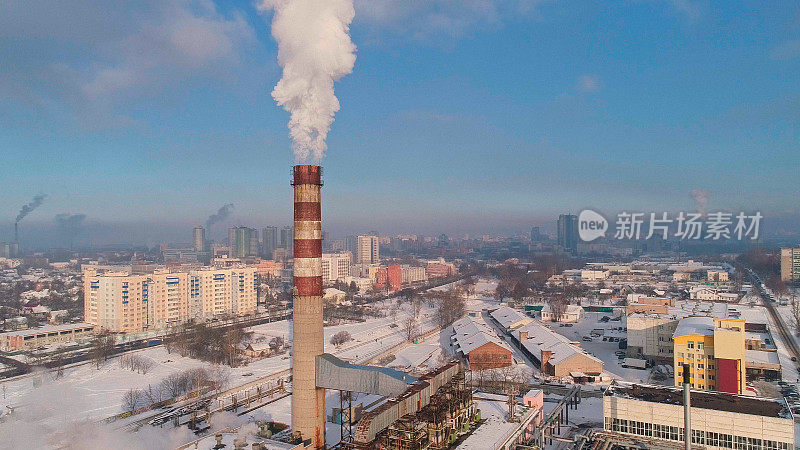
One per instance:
(701, 197)
(314, 50)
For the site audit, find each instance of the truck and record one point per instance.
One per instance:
(635, 363)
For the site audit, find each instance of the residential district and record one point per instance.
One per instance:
(430, 343)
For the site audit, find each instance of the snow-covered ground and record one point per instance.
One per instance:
(85, 394)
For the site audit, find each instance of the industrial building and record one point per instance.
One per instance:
(555, 354)
(430, 414)
(656, 414)
(509, 319)
(479, 344)
(46, 335)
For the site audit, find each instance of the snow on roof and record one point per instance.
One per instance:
(508, 317)
(542, 338)
(762, 357)
(533, 393)
(470, 334)
(703, 325)
(48, 329)
(571, 309)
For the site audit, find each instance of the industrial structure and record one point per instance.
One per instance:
(308, 400)
(430, 414)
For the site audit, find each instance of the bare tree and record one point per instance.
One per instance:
(131, 400)
(410, 328)
(795, 309)
(340, 338)
(558, 306)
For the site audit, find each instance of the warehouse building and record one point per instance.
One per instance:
(46, 335)
(479, 345)
(556, 355)
(718, 420)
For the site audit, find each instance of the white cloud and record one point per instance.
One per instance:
(85, 56)
(589, 83)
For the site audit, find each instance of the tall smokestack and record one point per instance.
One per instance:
(308, 401)
(16, 232)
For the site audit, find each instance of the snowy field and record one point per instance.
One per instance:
(47, 407)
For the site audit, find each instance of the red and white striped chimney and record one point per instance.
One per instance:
(308, 401)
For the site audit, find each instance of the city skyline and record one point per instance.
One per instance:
(595, 114)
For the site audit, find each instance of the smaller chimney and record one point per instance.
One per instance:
(523, 336)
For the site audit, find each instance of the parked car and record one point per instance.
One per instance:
(586, 339)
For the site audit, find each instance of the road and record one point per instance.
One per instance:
(769, 303)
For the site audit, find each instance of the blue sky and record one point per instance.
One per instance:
(468, 116)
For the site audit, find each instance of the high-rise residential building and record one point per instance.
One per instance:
(335, 266)
(269, 241)
(715, 351)
(118, 300)
(199, 239)
(568, 232)
(790, 265)
(368, 250)
(243, 242)
(351, 245)
(287, 240)
(222, 291)
(536, 236)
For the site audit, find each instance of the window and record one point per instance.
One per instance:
(690, 344)
(700, 345)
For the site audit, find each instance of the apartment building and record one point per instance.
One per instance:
(790, 265)
(715, 351)
(368, 251)
(118, 300)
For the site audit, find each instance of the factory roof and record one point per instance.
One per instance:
(762, 357)
(542, 338)
(510, 318)
(470, 334)
(717, 401)
(48, 329)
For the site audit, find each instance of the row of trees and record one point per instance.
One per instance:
(136, 363)
(217, 345)
(175, 385)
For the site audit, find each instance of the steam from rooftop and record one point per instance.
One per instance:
(314, 50)
(28, 208)
(222, 214)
